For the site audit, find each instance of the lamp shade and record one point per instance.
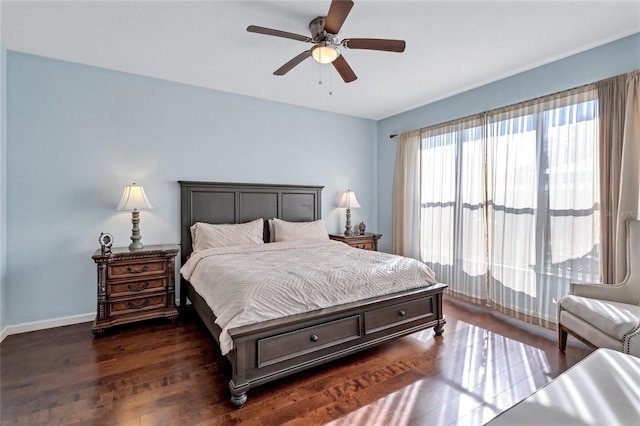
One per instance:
(325, 54)
(349, 200)
(134, 198)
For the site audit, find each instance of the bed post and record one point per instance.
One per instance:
(238, 394)
(185, 240)
(439, 329)
(183, 296)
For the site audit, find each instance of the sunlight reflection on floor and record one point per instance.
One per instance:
(498, 372)
(602, 389)
(394, 409)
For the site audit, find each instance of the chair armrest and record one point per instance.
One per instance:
(623, 293)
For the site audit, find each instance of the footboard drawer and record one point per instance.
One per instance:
(394, 315)
(289, 345)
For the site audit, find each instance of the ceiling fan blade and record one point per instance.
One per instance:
(277, 33)
(292, 63)
(338, 12)
(344, 69)
(375, 44)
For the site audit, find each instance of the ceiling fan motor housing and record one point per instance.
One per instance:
(322, 40)
(316, 27)
(319, 35)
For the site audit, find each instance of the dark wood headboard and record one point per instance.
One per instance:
(219, 202)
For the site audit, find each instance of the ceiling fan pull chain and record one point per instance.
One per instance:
(330, 85)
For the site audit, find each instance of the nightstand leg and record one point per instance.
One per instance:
(171, 286)
(102, 298)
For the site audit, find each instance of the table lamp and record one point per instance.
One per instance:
(134, 199)
(348, 201)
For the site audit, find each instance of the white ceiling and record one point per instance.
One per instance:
(452, 46)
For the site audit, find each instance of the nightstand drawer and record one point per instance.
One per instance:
(364, 241)
(391, 316)
(136, 269)
(138, 304)
(136, 287)
(365, 245)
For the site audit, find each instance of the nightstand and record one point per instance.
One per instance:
(135, 285)
(366, 242)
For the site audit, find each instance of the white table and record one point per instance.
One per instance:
(602, 389)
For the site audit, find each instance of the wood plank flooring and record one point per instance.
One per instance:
(159, 373)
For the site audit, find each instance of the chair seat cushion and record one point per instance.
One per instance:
(613, 318)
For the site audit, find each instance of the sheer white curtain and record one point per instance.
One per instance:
(543, 196)
(509, 203)
(453, 231)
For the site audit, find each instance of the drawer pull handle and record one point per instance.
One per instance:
(402, 313)
(133, 271)
(144, 286)
(314, 338)
(144, 303)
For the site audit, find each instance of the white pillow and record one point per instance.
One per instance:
(292, 231)
(208, 235)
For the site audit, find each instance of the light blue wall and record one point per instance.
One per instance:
(3, 189)
(77, 135)
(602, 62)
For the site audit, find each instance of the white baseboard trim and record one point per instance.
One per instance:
(44, 324)
(52, 323)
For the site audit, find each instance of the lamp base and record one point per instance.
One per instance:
(135, 246)
(347, 229)
(135, 232)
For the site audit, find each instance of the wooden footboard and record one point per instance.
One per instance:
(273, 349)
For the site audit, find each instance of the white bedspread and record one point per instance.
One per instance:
(248, 284)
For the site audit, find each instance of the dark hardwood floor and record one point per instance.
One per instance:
(159, 373)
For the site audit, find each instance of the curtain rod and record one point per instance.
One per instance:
(577, 88)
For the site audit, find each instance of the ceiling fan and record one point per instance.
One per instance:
(324, 34)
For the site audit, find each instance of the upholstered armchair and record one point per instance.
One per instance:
(605, 315)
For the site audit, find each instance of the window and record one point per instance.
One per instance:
(510, 203)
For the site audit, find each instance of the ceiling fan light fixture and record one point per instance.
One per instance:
(325, 54)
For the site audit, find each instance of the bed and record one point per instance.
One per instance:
(268, 350)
